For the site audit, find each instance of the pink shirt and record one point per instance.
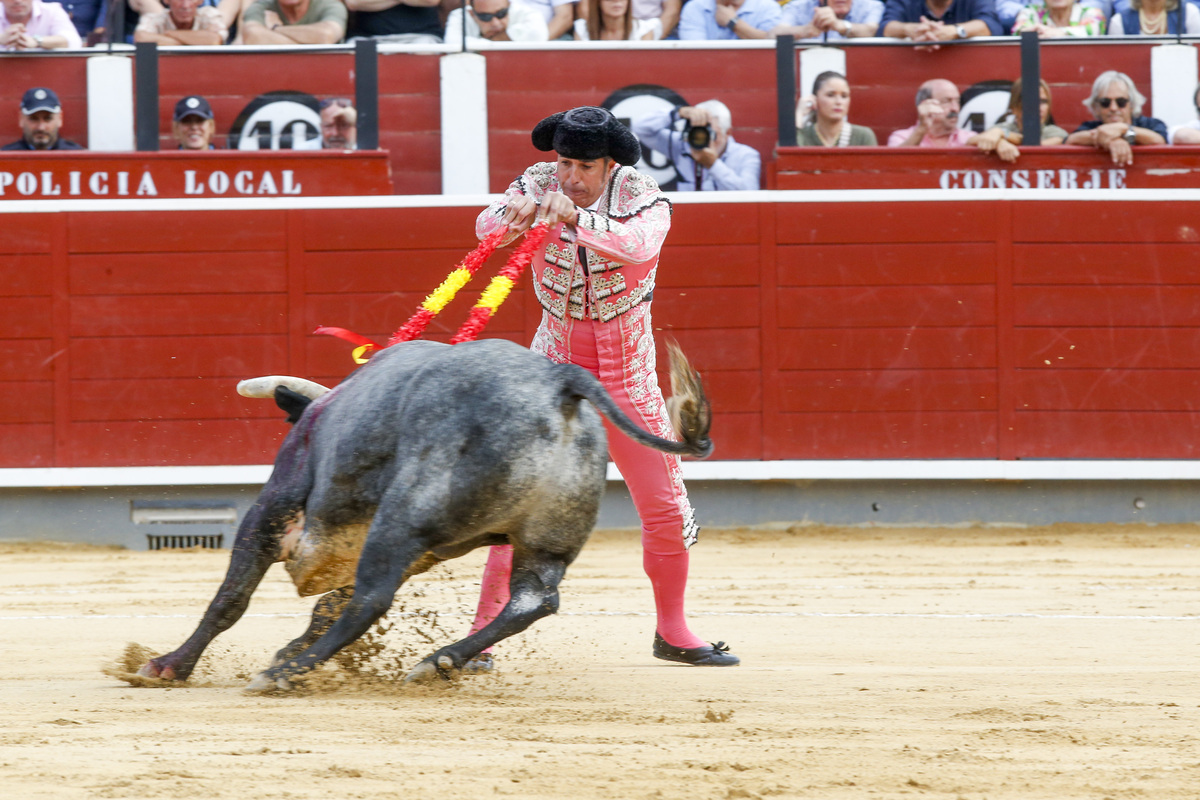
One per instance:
(957, 139)
(47, 19)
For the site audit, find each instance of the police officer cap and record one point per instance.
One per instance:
(587, 133)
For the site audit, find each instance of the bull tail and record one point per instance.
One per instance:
(688, 407)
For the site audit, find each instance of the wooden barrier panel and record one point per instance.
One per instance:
(827, 325)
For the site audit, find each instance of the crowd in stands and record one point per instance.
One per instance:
(36, 24)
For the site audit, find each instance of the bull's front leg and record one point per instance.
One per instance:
(534, 594)
(255, 549)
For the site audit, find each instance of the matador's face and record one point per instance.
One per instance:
(584, 180)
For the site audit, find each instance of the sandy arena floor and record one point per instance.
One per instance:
(1006, 663)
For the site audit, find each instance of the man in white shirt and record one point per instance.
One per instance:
(496, 21)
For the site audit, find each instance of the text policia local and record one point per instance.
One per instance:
(125, 184)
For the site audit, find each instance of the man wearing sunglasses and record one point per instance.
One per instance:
(496, 21)
(1118, 126)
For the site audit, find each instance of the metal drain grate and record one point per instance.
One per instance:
(180, 542)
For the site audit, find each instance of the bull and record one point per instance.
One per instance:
(422, 455)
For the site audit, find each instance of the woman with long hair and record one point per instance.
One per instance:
(1004, 137)
(825, 121)
(613, 20)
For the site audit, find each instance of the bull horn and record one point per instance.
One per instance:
(265, 386)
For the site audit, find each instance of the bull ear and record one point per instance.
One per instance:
(293, 403)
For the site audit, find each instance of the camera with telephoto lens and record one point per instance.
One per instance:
(698, 136)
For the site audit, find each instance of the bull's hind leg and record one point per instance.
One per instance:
(325, 613)
(534, 588)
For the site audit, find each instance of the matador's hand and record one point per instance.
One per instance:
(518, 215)
(557, 207)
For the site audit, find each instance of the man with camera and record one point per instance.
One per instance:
(704, 152)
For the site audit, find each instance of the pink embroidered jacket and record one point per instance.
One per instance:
(621, 238)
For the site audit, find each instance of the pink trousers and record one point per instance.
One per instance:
(621, 354)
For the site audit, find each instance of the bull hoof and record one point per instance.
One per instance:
(431, 669)
(153, 671)
(265, 684)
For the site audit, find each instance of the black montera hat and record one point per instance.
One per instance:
(586, 133)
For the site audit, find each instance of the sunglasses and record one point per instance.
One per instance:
(482, 17)
(1121, 102)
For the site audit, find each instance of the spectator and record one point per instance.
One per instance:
(1154, 18)
(559, 16)
(496, 21)
(826, 123)
(41, 122)
(184, 22)
(85, 15)
(1188, 132)
(1004, 138)
(1118, 126)
(402, 21)
(34, 25)
(1058, 18)
(665, 11)
(935, 21)
(294, 22)
(613, 19)
(704, 154)
(339, 124)
(832, 21)
(729, 19)
(937, 119)
(193, 126)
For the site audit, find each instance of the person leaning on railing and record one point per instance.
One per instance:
(1154, 18)
(1188, 132)
(825, 120)
(184, 22)
(716, 20)
(665, 11)
(34, 25)
(830, 21)
(1059, 18)
(936, 21)
(613, 20)
(1004, 138)
(294, 22)
(1118, 126)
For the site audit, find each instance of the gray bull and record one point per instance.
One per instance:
(422, 455)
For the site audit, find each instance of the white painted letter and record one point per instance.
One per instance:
(1045, 179)
(123, 184)
(1116, 179)
(1020, 179)
(218, 182)
(49, 187)
(6, 179)
(98, 182)
(1067, 179)
(146, 185)
(289, 184)
(997, 179)
(27, 183)
(243, 182)
(267, 184)
(189, 183)
(74, 176)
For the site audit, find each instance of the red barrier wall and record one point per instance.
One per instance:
(849, 325)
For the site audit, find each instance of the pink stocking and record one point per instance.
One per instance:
(493, 593)
(668, 575)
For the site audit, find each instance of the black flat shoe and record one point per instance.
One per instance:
(712, 655)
